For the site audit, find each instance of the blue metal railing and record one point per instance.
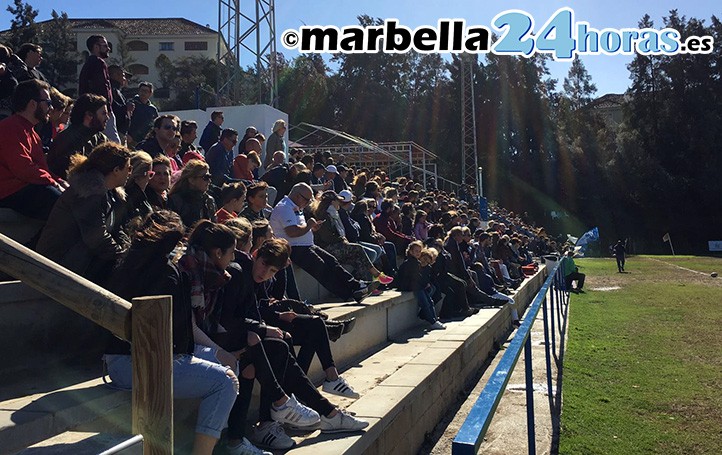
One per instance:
(472, 432)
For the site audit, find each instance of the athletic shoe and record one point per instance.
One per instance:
(361, 293)
(437, 326)
(376, 292)
(342, 422)
(340, 387)
(246, 448)
(384, 279)
(294, 413)
(271, 436)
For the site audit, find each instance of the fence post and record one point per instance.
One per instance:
(531, 432)
(152, 351)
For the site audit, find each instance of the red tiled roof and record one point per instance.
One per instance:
(142, 27)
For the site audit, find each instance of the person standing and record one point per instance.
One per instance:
(619, 253)
(144, 114)
(212, 131)
(275, 142)
(122, 108)
(94, 78)
(220, 156)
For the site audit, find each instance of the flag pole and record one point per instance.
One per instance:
(670, 244)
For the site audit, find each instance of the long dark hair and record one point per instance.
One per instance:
(209, 235)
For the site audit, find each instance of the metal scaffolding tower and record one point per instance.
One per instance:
(250, 35)
(470, 172)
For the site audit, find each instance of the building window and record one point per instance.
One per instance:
(137, 46)
(196, 45)
(138, 69)
(166, 46)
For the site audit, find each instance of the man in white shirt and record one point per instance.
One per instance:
(288, 222)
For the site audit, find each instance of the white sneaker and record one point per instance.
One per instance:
(342, 422)
(340, 387)
(246, 448)
(271, 436)
(437, 326)
(296, 414)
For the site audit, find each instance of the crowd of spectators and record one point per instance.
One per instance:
(130, 202)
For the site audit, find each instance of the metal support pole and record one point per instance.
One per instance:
(548, 353)
(531, 434)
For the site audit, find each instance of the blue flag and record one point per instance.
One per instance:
(590, 236)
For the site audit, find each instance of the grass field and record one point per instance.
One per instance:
(643, 368)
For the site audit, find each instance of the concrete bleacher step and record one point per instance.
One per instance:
(406, 377)
(81, 442)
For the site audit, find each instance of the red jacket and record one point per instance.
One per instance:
(386, 226)
(22, 161)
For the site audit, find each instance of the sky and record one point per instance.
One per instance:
(609, 73)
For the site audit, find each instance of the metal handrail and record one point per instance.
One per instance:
(472, 432)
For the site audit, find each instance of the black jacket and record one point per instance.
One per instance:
(83, 232)
(408, 277)
(192, 206)
(134, 278)
(74, 139)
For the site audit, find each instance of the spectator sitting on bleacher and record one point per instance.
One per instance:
(352, 231)
(158, 139)
(386, 226)
(8, 81)
(220, 157)
(421, 226)
(57, 119)
(147, 271)
(456, 304)
(189, 195)
(136, 200)
(363, 214)
(277, 177)
(242, 299)
(288, 222)
(256, 201)
(157, 189)
(244, 165)
(26, 184)
(284, 283)
(189, 133)
(233, 196)
(87, 123)
(308, 330)
(212, 279)
(84, 230)
(415, 277)
(331, 236)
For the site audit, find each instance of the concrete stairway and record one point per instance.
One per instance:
(407, 377)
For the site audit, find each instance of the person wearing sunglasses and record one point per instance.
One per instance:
(189, 196)
(136, 201)
(165, 128)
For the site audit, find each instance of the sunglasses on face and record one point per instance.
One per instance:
(149, 174)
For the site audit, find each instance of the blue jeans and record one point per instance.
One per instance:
(427, 312)
(193, 377)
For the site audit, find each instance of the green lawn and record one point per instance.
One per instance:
(643, 367)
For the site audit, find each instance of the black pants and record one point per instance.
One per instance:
(321, 265)
(310, 333)
(620, 263)
(292, 379)
(34, 201)
(455, 301)
(575, 276)
(256, 356)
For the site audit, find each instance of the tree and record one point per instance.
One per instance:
(23, 28)
(58, 42)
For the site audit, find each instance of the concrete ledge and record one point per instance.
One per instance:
(407, 386)
(18, 227)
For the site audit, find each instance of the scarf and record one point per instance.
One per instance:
(336, 219)
(205, 281)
